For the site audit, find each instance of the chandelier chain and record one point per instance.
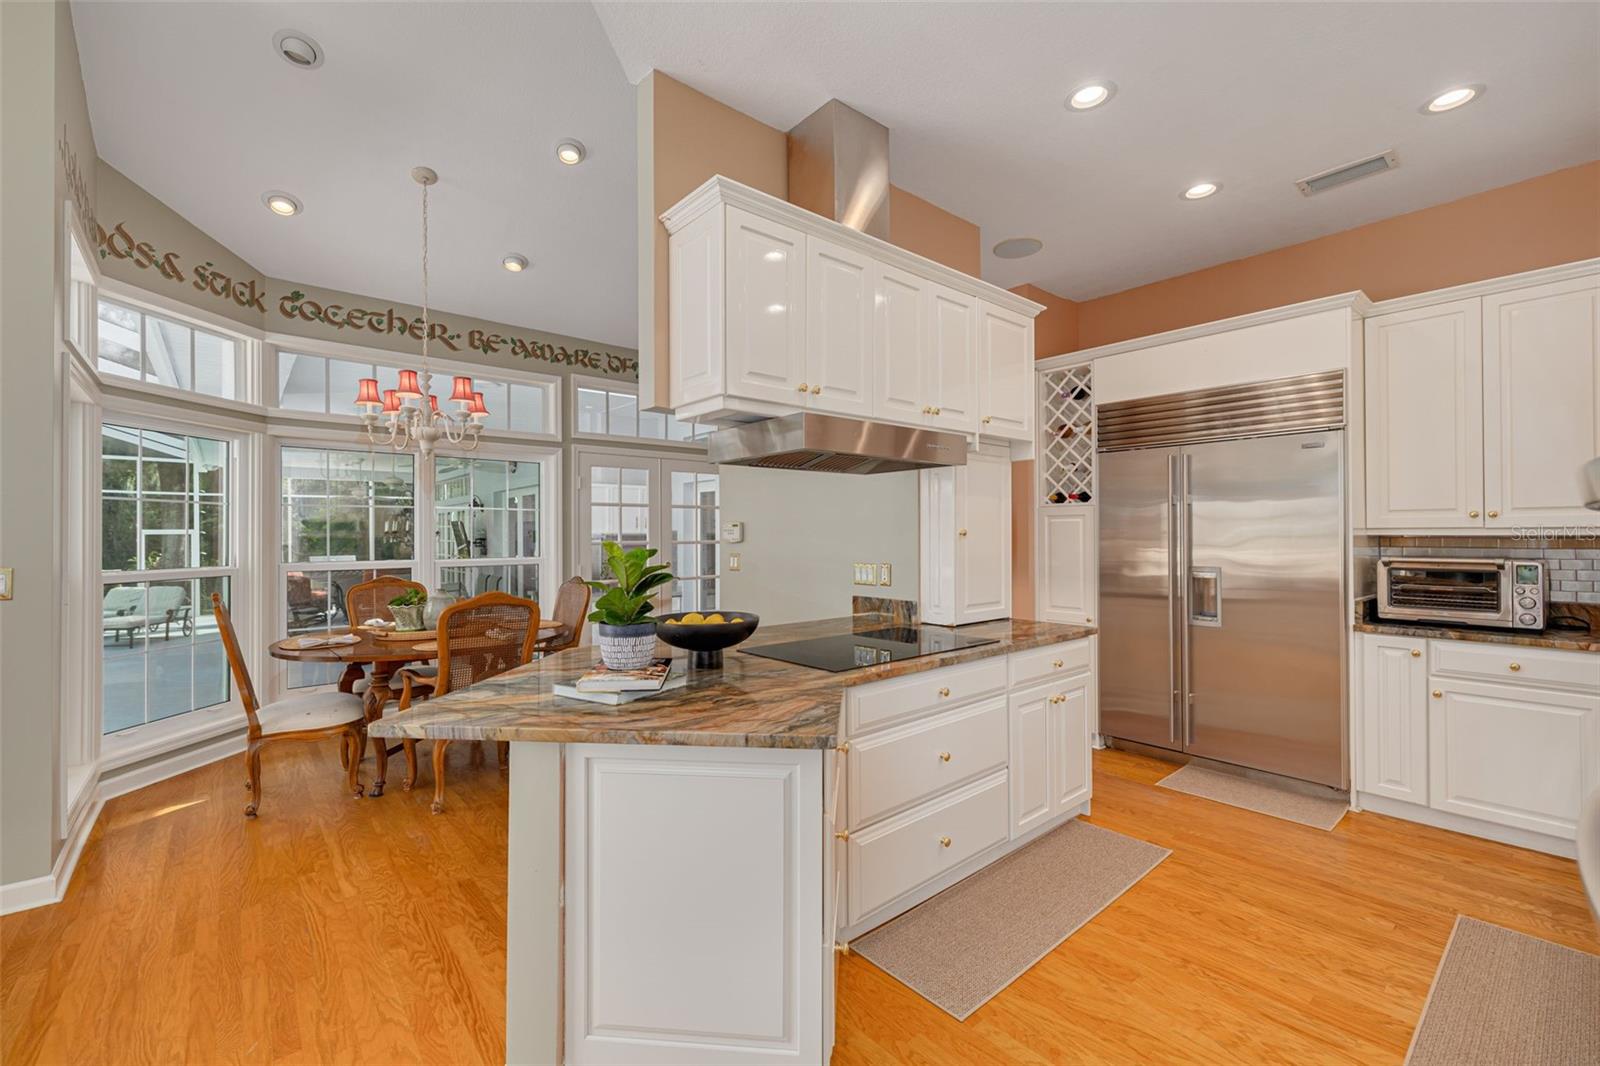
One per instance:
(425, 327)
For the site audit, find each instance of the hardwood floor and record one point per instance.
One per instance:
(334, 930)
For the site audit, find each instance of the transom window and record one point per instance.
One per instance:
(158, 350)
(327, 385)
(165, 548)
(615, 413)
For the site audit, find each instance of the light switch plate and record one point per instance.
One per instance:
(866, 574)
(733, 560)
(6, 578)
(885, 574)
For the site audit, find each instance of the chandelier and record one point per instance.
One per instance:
(410, 412)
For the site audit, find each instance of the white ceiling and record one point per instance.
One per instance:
(191, 102)
(1252, 96)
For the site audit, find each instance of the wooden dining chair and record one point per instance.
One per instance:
(572, 609)
(370, 599)
(478, 638)
(317, 716)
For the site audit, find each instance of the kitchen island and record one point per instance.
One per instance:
(681, 866)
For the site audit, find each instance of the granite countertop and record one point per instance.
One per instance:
(750, 702)
(1367, 621)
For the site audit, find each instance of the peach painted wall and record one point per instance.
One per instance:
(929, 230)
(684, 138)
(1544, 221)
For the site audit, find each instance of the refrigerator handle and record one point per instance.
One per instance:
(1175, 599)
(1186, 560)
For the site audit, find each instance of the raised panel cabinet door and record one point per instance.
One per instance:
(902, 325)
(765, 311)
(839, 294)
(1512, 754)
(938, 541)
(1005, 374)
(1394, 717)
(952, 369)
(1541, 402)
(696, 294)
(1066, 580)
(983, 538)
(1030, 759)
(1424, 392)
(1070, 770)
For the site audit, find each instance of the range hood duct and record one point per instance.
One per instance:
(839, 168)
(834, 445)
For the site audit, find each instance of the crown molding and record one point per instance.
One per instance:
(720, 191)
(1355, 302)
(1489, 286)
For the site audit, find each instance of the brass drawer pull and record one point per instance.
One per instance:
(1057, 664)
(1515, 667)
(987, 420)
(944, 756)
(816, 390)
(1494, 514)
(1472, 514)
(843, 834)
(944, 842)
(1416, 653)
(944, 692)
(1437, 694)
(804, 387)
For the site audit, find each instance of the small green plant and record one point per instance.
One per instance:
(627, 602)
(410, 598)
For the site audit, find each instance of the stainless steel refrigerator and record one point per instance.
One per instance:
(1223, 604)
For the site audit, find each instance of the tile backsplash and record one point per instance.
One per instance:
(1571, 563)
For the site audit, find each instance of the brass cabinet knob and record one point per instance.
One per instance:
(944, 756)
(944, 692)
(843, 749)
(927, 410)
(987, 420)
(1494, 514)
(1437, 694)
(816, 390)
(804, 387)
(938, 410)
(1087, 619)
(961, 532)
(1416, 653)
(1472, 514)
(1056, 664)
(1515, 667)
(944, 842)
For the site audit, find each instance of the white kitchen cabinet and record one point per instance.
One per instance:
(952, 363)
(1394, 724)
(966, 540)
(840, 285)
(773, 309)
(903, 324)
(1513, 755)
(1066, 573)
(1541, 402)
(1051, 771)
(766, 309)
(1424, 400)
(1005, 374)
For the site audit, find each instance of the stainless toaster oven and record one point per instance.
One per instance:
(1505, 593)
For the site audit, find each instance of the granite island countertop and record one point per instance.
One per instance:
(1367, 621)
(749, 702)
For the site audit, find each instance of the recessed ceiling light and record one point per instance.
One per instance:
(1451, 99)
(1200, 190)
(515, 263)
(571, 152)
(281, 203)
(297, 49)
(1091, 95)
(1018, 247)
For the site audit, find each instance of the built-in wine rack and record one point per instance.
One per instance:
(1066, 435)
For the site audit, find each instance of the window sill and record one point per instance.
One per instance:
(158, 738)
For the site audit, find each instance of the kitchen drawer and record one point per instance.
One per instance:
(1515, 663)
(1048, 663)
(893, 769)
(895, 856)
(882, 703)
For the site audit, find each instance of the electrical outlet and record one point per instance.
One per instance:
(885, 575)
(866, 574)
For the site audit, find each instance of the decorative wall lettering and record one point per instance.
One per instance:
(76, 184)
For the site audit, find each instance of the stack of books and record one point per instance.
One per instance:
(616, 687)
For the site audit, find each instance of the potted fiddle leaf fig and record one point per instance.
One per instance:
(623, 627)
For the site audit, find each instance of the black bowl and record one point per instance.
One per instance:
(706, 641)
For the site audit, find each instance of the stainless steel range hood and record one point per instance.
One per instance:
(835, 445)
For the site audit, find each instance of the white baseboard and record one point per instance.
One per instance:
(1472, 827)
(121, 781)
(52, 887)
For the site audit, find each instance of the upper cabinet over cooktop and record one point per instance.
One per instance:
(774, 309)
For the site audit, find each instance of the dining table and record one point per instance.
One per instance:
(386, 652)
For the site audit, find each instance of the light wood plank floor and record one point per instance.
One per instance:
(334, 930)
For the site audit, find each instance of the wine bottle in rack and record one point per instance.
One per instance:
(1080, 496)
(1056, 497)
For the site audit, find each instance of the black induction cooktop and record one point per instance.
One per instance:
(851, 651)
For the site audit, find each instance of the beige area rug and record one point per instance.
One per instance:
(1253, 794)
(960, 948)
(1503, 997)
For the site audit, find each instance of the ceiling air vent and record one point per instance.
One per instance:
(1349, 172)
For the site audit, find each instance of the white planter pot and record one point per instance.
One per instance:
(626, 647)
